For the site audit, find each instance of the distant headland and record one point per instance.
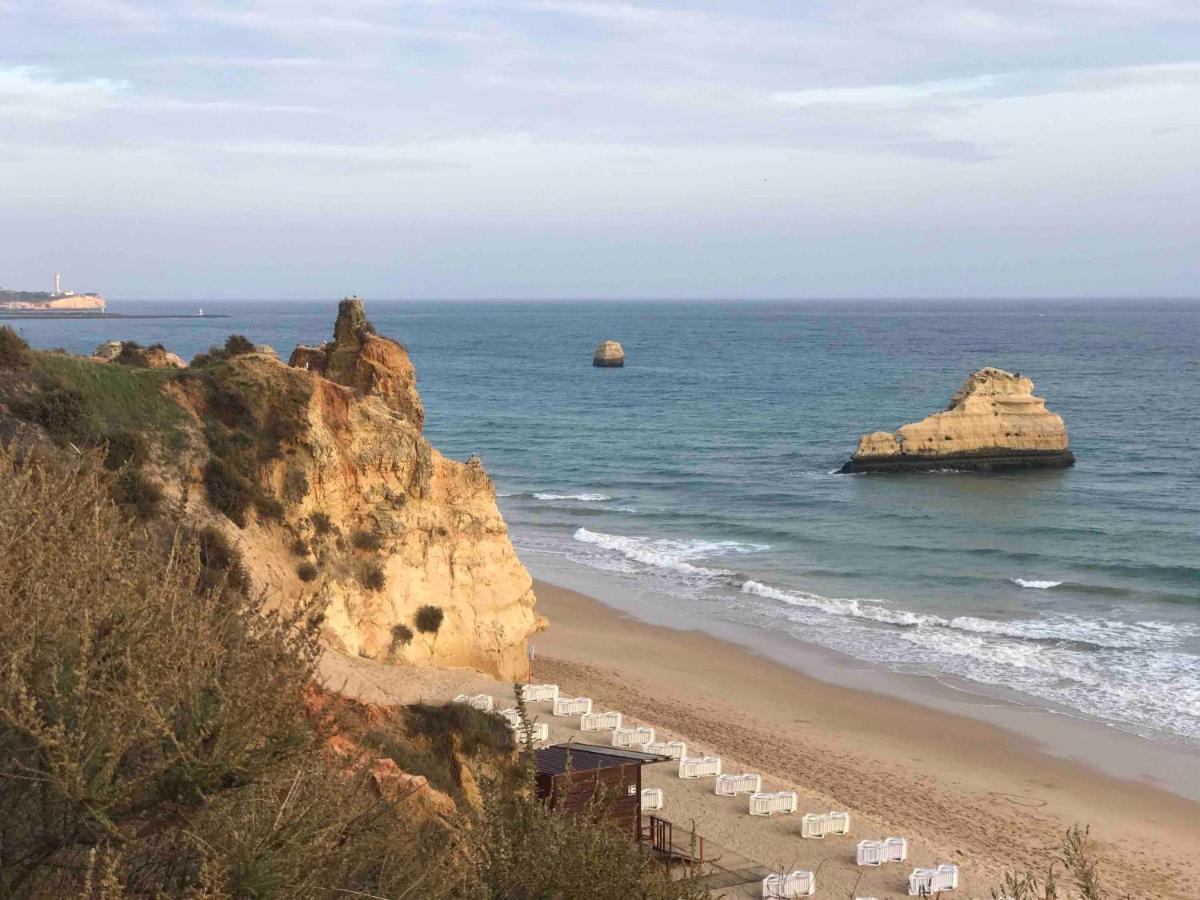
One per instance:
(54, 301)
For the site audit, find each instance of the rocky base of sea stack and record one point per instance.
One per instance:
(1000, 461)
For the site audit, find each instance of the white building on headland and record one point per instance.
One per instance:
(58, 291)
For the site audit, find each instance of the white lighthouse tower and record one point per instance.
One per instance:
(57, 283)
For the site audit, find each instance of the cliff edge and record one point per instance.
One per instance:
(993, 422)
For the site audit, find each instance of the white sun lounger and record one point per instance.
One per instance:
(870, 853)
(730, 785)
(673, 749)
(598, 721)
(800, 883)
(768, 803)
(895, 849)
(482, 702)
(512, 715)
(652, 798)
(632, 737)
(699, 766)
(571, 706)
(817, 825)
(539, 731)
(930, 881)
(531, 693)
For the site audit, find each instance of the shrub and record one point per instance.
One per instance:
(211, 783)
(373, 578)
(220, 560)
(14, 351)
(295, 485)
(125, 448)
(268, 507)
(321, 523)
(238, 345)
(474, 732)
(64, 413)
(307, 571)
(402, 636)
(300, 547)
(228, 491)
(366, 540)
(137, 492)
(429, 619)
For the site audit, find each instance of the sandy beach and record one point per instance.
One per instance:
(961, 790)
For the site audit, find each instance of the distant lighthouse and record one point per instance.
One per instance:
(57, 283)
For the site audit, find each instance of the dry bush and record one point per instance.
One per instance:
(14, 351)
(158, 721)
(1077, 861)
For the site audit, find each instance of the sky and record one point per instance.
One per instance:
(593, 149)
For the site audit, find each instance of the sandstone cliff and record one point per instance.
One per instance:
(375, 523)
(993, 422)
(608, 355)
(315, 477)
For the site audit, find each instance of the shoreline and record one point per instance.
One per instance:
(1170, 765)
(969, 789)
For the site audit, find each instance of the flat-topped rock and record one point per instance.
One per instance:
(608, 355)
(994, 422)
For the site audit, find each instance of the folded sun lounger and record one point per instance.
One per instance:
(699, 766)
(571, 706)
(768, 803)
(597, 721)
(800, 883)
(531, 693)
(730, 785)
(673, 749)
(652, 798)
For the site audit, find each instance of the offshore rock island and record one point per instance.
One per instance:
(993, 423)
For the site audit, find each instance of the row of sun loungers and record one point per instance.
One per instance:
(876, 853)
(777, 886)
(784, 886)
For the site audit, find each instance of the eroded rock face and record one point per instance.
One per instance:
(352, 467)
(608, 355)
(993, 422)
(359, 358)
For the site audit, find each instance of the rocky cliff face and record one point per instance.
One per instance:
(993, 422)
(375, 523)
(34, 302)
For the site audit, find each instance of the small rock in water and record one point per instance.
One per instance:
(608, 355)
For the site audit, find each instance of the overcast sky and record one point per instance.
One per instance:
(554, 148)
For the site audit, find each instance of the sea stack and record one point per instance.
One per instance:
(608, 355)
(993, 423)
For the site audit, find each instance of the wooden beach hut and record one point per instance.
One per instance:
(569, 776)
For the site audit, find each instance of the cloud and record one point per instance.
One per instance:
(30, 92)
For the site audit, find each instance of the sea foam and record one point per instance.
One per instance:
(667, 553)
(1034, 583)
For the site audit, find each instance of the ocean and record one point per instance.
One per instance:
(703, 473)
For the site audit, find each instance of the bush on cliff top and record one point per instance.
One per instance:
(14, 351)
(153, 728)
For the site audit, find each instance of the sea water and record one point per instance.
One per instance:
(704, 473)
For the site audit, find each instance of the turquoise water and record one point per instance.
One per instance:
(703, 472)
